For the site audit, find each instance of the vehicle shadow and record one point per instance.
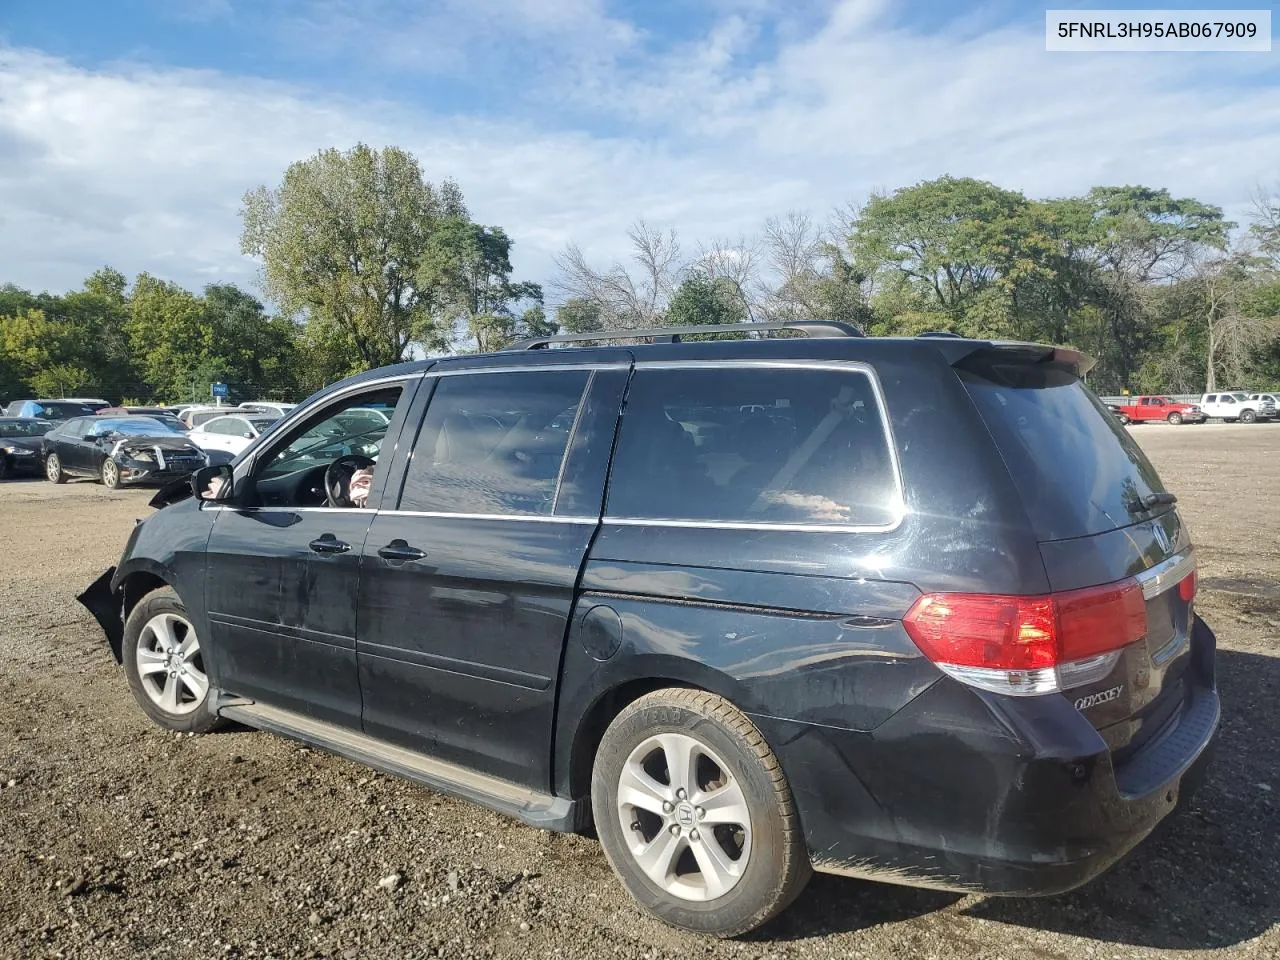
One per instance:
(1208, 878)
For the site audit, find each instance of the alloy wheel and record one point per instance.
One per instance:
(170, 664)
(685, 817)
(53, 468)
(110, 474)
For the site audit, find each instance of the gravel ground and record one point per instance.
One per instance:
(118, 839)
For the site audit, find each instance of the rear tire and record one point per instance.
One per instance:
(4, 467)
(1175, 418)
(165, 666)
(110, 474)
(725, 880)
(53, 469)
(1248, 416)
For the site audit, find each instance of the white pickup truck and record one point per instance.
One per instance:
(1236, 405)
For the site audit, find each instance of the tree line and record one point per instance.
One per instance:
(1165, 292)
(368, 263)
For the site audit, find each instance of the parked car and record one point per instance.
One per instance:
(96, 404)
(1147, 409)
(165, 415)
(908, 609)
(232, 434)
(195, 416)
(119, 451)
(20, 441)
(267, 406)
(1274, 399)
(48, 409)
(1236, 405)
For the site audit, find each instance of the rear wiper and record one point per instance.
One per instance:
(1151, 501)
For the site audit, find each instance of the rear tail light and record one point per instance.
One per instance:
(1029, 645)
(1187, 587)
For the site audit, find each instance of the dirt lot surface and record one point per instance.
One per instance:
(117, 839)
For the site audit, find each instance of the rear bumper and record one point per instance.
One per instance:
(976, 793)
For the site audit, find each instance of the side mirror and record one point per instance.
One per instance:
(214, 483)
(248, 434)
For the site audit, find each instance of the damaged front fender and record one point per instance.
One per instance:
(107, 608)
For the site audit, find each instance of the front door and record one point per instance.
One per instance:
(75, 448)
(283, 568)
(467, 587)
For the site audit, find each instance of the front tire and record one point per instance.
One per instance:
(110, 474)
(695, 814)
(165, 665)
(1175, 419)
(53, 469)
(1248, 416)
(5, 469)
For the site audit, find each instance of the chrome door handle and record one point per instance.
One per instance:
(328, 543)
(401, 551)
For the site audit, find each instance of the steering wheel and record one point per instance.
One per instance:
(337, 478)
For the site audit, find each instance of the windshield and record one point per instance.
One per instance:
(134, 427)
(12, 429)
(1078, 470)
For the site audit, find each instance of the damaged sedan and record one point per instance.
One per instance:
(119, 451)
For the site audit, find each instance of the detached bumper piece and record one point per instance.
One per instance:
(107, 609)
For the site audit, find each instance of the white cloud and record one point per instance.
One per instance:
(144, 168)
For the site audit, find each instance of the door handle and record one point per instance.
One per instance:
(399, 550)
(328, 543)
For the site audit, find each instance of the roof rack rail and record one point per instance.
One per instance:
(814, 328)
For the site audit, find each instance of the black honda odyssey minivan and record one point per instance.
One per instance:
(915, 610)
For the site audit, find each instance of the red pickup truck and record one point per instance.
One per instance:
(1144, 409)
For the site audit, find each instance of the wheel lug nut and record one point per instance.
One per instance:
(680, 793)
(667, 806)
(693, 834)
(675, 829)
(701, 813)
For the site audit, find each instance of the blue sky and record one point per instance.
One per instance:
(129, 130)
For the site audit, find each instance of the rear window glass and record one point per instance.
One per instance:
(1079, 472)
(754, 445)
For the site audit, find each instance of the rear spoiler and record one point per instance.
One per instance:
(986, 356)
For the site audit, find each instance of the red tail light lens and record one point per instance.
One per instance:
(1188, 586)
(1027, 633)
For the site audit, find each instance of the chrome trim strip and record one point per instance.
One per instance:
(536, 518)
(362, 511)
(1170, 649)
(1165, 574)
(528, 368)
(742, 525)
(899, 508)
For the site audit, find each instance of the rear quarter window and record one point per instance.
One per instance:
(755, 445)
(1078, 471)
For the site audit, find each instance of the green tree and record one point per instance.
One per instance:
(579, 315)
(167, 331)
(703, 300)
(471, 267)
(347, 238)
(252, 352)
(950, 241)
